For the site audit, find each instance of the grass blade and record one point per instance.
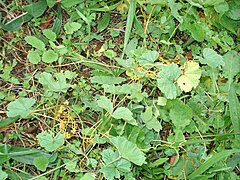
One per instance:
(7, 121)
(58, 22)
(131, 14)
(213, 160)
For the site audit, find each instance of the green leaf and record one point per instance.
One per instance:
(87, 176)
(148, 58)
(130, 18)
(72, 27)
(221, 7)
(36, 9)
(71, 165)
(103, 22)
(107, 80)
(105, 103)
(232, 65)
(166, 80)
(150, 120)
(57, 25)
(3, 175)
(158, 162)
(35, 42)
(197, 32)
(6, 121)
(181, 115)
(125, 114)
(49, 141)
(212, 58)
(128, 150)
(174, 10)
(234, 107)
(190, 76)
(210, 162)
(41, 163)
(122, 113)
(51, 3)
(162, 101)
(49, 34)
(20, 107)
(34, 57)
(229, 24)
(58, 85)
(49, 56)
(15, 24)
(114, 165)
(233, 12)
(70, 3)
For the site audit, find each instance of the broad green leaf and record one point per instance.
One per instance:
(49, 34)
(162, 101)
(51, 3)
(103, 22)
(234, 107)
(148, 58)
(190, 76)
(49, 141)
(174, 10)
(36, 9)
(71, 165)
(233, 12)
(15, 24)
(41, 163)
(128, 150)
(132, 45)
(35, 42)
(210, 162)
(229, 24)
(166, 80)
(114, 165)
(181, 115)
(123, 89)
(212, 3)
(49, 56)
(221, 7)
(34, 57)
(123, 113)
(105, 103)
(133, 89)
(107, 80)
(128, 64)
(212, 58)
(197, 32)
(21, 107)
(72, 27)
(58, 85)
(87, 176)
(150, 120)
(232, 65)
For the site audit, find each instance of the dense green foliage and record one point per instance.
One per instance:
(128, 89)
